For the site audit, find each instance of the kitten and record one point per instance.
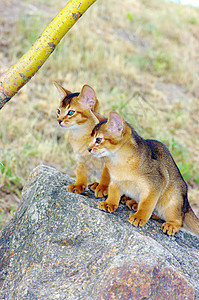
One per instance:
(145, 171)
(77, 113)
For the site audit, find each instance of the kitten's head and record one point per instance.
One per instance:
(75, 108)
(108, 136)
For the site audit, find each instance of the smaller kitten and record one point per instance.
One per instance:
(76, 113)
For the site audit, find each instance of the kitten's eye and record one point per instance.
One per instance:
(70, 112)
(58, 111)
(98, 140)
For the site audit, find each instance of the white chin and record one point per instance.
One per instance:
(64, 127)
(74, 127)
(67, 127)
(99, 155)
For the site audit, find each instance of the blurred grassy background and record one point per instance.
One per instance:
(142, 59)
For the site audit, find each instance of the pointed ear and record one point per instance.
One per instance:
(115, 124)
(87, 97)
(62, 91)
(96, 106)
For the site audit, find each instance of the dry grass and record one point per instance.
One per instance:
(140, 56)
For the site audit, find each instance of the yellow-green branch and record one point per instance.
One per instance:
(30, 62)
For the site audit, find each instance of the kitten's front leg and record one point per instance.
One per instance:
(81, 180)
(112, 202)
(101, 189)
(145, 209)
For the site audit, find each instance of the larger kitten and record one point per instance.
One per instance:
(76, 113)
(145, 171)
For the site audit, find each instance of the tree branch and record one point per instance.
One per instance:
(20, 73)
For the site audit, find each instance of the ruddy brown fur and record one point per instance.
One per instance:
(145, 171)
(77, 113)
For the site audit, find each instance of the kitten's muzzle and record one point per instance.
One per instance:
(89, 150)
(59, 121)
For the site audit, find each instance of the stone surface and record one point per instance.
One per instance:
(61, 246)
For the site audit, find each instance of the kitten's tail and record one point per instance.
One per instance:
(191, 221)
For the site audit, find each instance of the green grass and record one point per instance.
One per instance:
(1, 216)
(2, 168)
(156, 62)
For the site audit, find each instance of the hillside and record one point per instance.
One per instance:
(142, 59)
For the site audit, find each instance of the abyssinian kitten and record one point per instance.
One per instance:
(77, 113)
(145, 171)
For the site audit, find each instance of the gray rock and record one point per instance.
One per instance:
(61, 246)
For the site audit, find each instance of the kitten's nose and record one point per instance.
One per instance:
(59, 121)
(89, 150)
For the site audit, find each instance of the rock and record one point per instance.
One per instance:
(61, 246)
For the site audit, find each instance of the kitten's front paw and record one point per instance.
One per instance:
(107, 206)
(73, 188)
(101, 191)
(132, 204)
(136, 221)
(170, 228)
(93, 186)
